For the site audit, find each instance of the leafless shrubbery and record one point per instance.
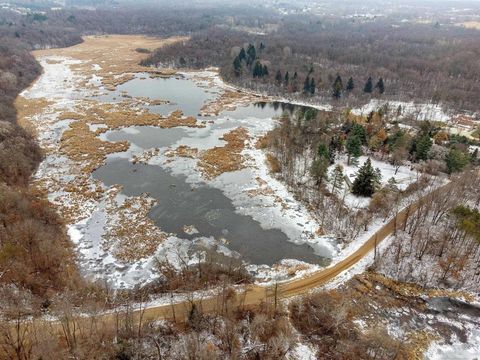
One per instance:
(212, 269)
(326, 320)
(433, 249)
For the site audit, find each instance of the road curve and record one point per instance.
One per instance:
(254, 295)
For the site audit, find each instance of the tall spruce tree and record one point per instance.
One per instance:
(319, 169)
(322, 151)
(265, 71)
(337, 179)
(350, 84)
(456, 160)
(287, 78)
(337, 87)
(422, 147)
(365, 182)
(353, 146)
(278, 77)
(334, 146)
(377, 179)
(242, 55)
(359, 131)
(368, 88)
(306, 85)
(312, 86)
(258, 70)
(380, 86)
(251, 55)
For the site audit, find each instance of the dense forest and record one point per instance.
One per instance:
(415, 62)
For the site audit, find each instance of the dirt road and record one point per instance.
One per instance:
(254, 295)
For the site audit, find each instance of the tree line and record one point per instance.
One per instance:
(411, 62)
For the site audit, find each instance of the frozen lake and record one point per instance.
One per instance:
(219, 209)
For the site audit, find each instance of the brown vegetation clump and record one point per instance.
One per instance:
(263, 142)
(214, 270)
(176, 119)
(131, 235)
(273, 164)
(182, 151)
(83, 146)
(27, 108)
(218, 160)
(118, 64)
(262, 189)
(229, 101)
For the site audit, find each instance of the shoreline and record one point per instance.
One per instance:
(76, 127)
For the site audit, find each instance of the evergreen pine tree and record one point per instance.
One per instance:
(258, 70)
(456, 160)
(380, 86)
(368, 88)
(423, 147)
(295, 76)
(320, 165)
(319, 170)
(337, 87)
(337, 179)
(251, 52)
(243, 55)
(251, 55)
(333, 146)
(310, 114)
(287, 78)
(265, 71)
(278, 77)
(353, 146)
(312, 86)
(306, 85)
(392, 184)
(350, 84)
(359, 131)
(364, 183)
(322, 151)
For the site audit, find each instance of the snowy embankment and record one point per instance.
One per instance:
(419, 112)
(455, 349)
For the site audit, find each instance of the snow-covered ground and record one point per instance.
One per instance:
(456, 349)
(403, 177)
(420, 112)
